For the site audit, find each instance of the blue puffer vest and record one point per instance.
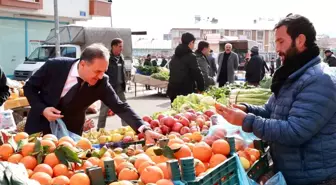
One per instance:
(301, 125)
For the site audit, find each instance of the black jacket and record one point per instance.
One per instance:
(44, 88)
(331, 60)
(4, 89)
(184, 72)
(112, 71)
(254, 69)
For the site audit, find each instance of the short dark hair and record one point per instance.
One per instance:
(187, 38)
(202, 45)
(296, 25)
(211, 51)
(94, 51)
(116, 41)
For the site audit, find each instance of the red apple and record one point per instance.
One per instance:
(184, 121)
(209, 113)
(177, 127)
(178, 116)
(192, 111)
(161, 116)
(141, 136)
(165, 129)
(184, 130)
(169, 121)
(127, 139)
(200, 121)
(194, 129)
(206, 117)
(158, 130)
(154, 123)
(147, 118)
(220, 133)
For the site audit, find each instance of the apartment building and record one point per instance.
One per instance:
(24, 24)
(261, 32)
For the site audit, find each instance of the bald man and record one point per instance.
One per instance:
(227, 65)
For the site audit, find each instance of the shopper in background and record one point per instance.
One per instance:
(185, 72)
(164, 62)
(253, 67)
(148, 62)
(154, 62)
(227, 65)
(117, 75)
(203, 50)
(330, 58)
(213, 65)
(299, 119)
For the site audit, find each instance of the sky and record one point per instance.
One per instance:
(159, 16)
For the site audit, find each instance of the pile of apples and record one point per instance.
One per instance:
(182, 123)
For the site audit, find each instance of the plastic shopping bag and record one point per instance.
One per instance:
(277, 179)
(242, 175)
(58, 128)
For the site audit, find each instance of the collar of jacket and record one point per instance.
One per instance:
(299, 72)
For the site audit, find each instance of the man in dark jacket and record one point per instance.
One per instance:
(117, 75)
(299, 119)
(184, 69)
(201, 54)
(254, 67)
(148, 62)
(4, 89)
(164, 62)
(213, 66)
(330, 58)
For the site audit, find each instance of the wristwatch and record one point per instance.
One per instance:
(145, 129)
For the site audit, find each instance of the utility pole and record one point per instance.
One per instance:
(111, 14)
(57, 43)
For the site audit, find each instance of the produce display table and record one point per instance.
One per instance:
(147, 80)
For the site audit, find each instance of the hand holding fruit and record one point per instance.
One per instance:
(233, 115)
(151, 136)
(52, 114)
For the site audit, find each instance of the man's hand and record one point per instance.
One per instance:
(89, 124)
(241, 107)
(151, 136)
(52, 114)
(234, 116)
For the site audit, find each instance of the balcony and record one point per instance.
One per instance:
(100, 8)
(26, 4)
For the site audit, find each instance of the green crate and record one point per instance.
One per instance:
(262, 166)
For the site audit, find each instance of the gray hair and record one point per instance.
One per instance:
(93, 51)
(228, 44)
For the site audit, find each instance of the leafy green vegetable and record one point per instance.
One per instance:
(162, 75)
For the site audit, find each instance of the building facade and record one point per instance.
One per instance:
(263, 36)
(155, 47)
(25, 24)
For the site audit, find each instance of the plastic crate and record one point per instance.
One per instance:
(262, 166)
(118, 144)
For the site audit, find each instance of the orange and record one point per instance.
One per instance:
(67, 139)
(6, 150)
(121, 183)
(216, 160)
(221, 146)
(49, 143)
(159, 159)
(50, 137)
(44, 168)
(164, 182)
(118, 160)
(60, 180)
(124, 165)
(42, 178)
(60, 169)
(190, 145)
(196, 136)
(29, 162)
(145, 165)
(174, 141)
(199, 167)
(79, 179)
(140, 159)
(254, 152)
(84, 144)
(128, 174)
(151, 174)
(65, 143)
(188, 135)
(70, 174)
(101, 162)
(86, 164)
(183, 152)
(164, 168)
(27, 149)
(52, 160)
(30, 172)
(19, 136)
(253, 159)
(94, 161)
(15, 158)
(202, 151)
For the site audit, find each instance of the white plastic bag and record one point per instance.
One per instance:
(58, 128)
(7, 120)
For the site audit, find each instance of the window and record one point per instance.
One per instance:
(248, 34)
(260, 35)
(68, 52)
(214, 31)
(233, 33)
(261, 45)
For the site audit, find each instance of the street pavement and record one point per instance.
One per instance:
(145, 103)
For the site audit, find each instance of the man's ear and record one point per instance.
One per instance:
(300, 42)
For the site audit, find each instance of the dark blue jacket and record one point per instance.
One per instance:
(301, 125)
